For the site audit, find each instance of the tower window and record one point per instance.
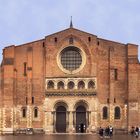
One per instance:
(89, 39)
(32, 100)
(35, 112)
(26, 100)
(117, 113)
(24, 111)
(105, 112)
(108, 100)
(55, 39)
(43, 44)
(25, 69)
(114, 100)
(116, 74)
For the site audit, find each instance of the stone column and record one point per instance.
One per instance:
(88, 121)
(55, 85)
(54, 122)
(86, 85)
(28, 117)
(71, 128)
(74, 121)
(111, 118)
(125, 116)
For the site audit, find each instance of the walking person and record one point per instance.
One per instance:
(101, 132)
(110, 131)
(137, 132)
(132, 131)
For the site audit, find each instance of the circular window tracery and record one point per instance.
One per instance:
(71, 58)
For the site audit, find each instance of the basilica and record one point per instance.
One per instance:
(69, 82)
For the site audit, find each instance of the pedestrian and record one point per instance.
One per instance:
(132, 131)
(110, 131)
(107, 132)
(137, 132)
(101, 132)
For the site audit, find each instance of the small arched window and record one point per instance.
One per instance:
(91, 85)
(50, 85)
(117, 113)
(105, 112)
(71, 85)
(35, 112)
(60, 85)
(81, 85)
(24, 112)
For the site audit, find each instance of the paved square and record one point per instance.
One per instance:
(64, 137)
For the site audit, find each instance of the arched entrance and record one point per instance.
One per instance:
(61, 119)
(81, 119)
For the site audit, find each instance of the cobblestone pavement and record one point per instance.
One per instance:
(65, 137)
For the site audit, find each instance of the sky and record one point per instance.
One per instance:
(23, 21)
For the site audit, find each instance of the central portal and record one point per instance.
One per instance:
(61, 119)
(81, 119)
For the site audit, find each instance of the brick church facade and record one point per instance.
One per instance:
(69, 82)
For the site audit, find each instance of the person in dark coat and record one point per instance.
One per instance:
(132, 130)
(137, 132)
(101, 132)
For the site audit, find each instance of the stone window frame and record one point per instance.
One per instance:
(22, 112)
(36, 118)
(82, 53)
(120, 113)
(35, 113)
(105, 107)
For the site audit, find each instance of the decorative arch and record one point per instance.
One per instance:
(60, 85)
(81, 103)
(60, 103)
(50, 84)
(91, 84)
(81, 84)
(71, 85)
(61, 116)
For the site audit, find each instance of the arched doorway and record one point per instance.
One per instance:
(81, 119)
(60, 119)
